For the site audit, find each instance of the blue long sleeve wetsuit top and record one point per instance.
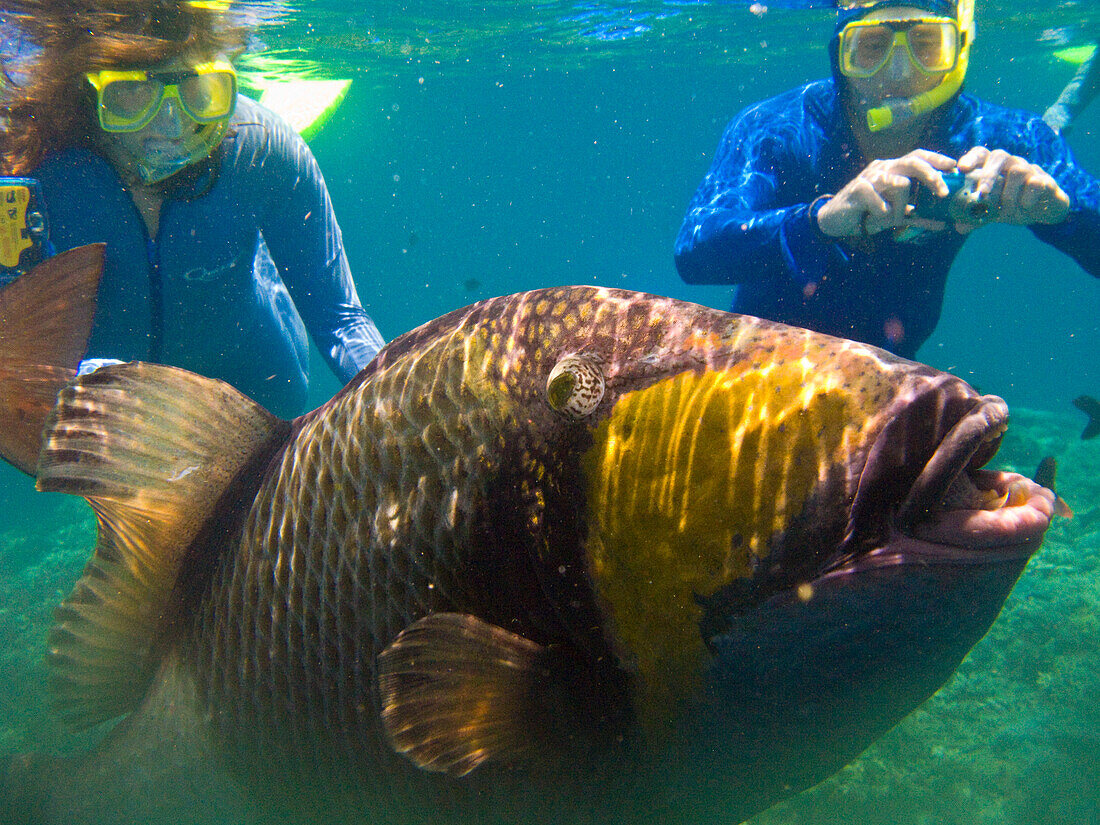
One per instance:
(246, 259)
(750, 221)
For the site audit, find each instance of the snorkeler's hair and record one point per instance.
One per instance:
(44, 100)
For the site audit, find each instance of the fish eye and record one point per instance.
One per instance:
(576, 385)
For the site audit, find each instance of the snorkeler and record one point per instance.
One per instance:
(840, 205)
(125, 126)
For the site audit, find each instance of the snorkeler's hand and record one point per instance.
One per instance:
(1019, 192)
(878, 197)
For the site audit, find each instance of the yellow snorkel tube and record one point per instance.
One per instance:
(897, 111)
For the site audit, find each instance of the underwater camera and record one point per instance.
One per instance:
(961, 204)
(24, 234)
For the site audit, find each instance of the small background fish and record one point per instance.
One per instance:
(1090, 407)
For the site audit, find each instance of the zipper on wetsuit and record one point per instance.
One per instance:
(156, 300)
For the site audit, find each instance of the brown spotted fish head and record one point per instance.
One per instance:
(737, 523)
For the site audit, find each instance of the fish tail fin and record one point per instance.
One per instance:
(1090, 407)
(45, 322)
(25, 782)
(161, 455)
(457, 692)
(156, 767)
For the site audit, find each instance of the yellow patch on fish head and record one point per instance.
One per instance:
(688, 481)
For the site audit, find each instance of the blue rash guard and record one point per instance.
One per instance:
(749, 222)
(247, 257)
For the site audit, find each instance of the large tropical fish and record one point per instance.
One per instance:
(575, 555)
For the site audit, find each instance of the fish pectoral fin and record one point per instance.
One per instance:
(160, 454)
(45, 321)
(457, 691)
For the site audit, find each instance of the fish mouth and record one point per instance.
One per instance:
(956, 503)
(955, 510)
(948, 480)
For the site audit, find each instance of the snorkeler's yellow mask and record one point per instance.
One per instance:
(128, 100)
(868, 46)
(944, 47)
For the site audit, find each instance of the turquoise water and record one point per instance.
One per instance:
(493, 147)
(510, 147)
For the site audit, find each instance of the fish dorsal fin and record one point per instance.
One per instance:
(155, 450)
(45, 321)
(46, 315)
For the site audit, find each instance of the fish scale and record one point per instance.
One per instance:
(379, 538)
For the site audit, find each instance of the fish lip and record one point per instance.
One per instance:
(991, 516)
(968, 445)
(923, 495)
(1013, 529)
(925, 411)
(930, 526)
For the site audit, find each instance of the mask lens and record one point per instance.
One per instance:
(867, 49)
(934, 46)
(209, 96)
(126, 103)
(866, 46)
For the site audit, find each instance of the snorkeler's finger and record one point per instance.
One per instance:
(845, 214)
(867, 193)
(866, 208)
(1031, 197)
(973, 158)
(1055, 203)
(989, 173)
(919, 170)
(1024, 186)
(943, 163)
(893, 190)
(1042, 200)
(1015, 177)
